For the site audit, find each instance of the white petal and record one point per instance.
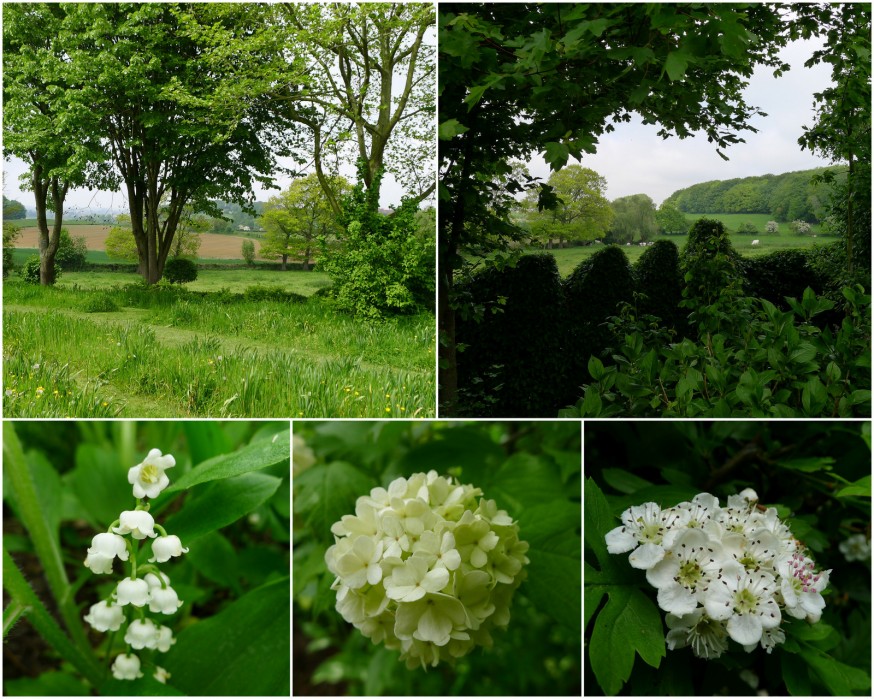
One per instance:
(620, 540)
(745, 629)
(646, 556)
(717, 601)
(676, 599)
(662, 574)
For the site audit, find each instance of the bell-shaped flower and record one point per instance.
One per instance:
(104, 548)
(105, 617)
(135, 592)
(141, 633)
(148, 478)
(163, 600)
(438, 551)
(138, 523)
(161, 674)
(164, 639)
(126, 667)
(165, 547)
(412, 580)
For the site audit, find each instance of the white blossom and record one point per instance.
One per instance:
(135, 592)
(104, 548)
(148, 478)
(105, 617)
(126, 667)
(138, 523)
(166, 547)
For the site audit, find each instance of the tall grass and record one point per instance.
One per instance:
(179, 353)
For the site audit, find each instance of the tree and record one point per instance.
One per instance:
(583, 212)
(72, 252)
(296, 219)
(182, 97)
(10, 235)
(670, 219)
(371, 89)
(633, 217)
(13, 210)
(573, 70)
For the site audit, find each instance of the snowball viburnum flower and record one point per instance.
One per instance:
(138, 523)
(148, 478)
(126, 667)
(104, 617)
(721, 573)
(426, 565)
(166, 547)
(104, 548)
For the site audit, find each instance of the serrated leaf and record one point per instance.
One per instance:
(795, 675)
(556, 154)
(623, 481)
(838, 678)
(808, 464)
(451, 128)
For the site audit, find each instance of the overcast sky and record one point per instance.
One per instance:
(635, 160)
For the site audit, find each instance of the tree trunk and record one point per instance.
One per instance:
(306, 259)
(284, 263)
(48, 241)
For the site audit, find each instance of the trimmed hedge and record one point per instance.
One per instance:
(780, 274)
(658, 279)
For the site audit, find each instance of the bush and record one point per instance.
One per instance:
(325, 292)
(779, 274)
(658, 280)
(264, 292)
(710, 268)
(179, 270)
(10, 235)
(72, 252)
(510, 359)
(100, 303)
(747, 229)
(248, 250)
(30, 270)
(800, 227)
(593, 292)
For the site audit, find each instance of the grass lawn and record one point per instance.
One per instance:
(734, 221)
(83, 349)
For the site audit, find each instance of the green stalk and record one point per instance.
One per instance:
(45, 544)
(11, 614)
(22, 594)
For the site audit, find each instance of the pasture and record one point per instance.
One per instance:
(97, 346)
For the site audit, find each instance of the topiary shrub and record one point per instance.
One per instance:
(593, 292)
(658, 280)
(30, 270)
(179, 270)
(511, 361)
(709, 264)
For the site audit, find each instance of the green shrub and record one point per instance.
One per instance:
(658, 281)
(179, 270)
(265, 292)
(30, 270)
(510, 359)
(325, 292)
(593, 293)
(100, 303)
(779, 274)
(248, 251)
(72, 252)
(747, 229)
(10, 235)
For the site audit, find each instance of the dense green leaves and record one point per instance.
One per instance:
(326, 492)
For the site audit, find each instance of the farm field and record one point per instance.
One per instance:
(733, 221)
(93, 348)
(569, 258)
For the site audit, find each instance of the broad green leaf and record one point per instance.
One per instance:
(324, 493)
(47, 484)
(838, 678)
(241, 651)
(623, 481)
(675, 64)
(206, 440)
(100, 482)
(808, 464)
(451, 128)
(253, 457)
(146, 686)
(599, 521)
(469, 448)
(795, 675)
(47, 684)
(554, 573)
(526, 480)
(556, 154)
(861, 487)
(218, 504)
(629, 624)
(214, 557)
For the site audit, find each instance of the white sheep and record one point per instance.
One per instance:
(755, 242)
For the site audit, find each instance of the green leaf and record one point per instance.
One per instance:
(218, 504)
(47, 684)
(808, 464)
(100, 482)
(526, 480)
(629, 624)
(451, 128)
(795, 675)
(861, 487)
(324, 493)
(838, 678)
(253, 457)
(214, 557)
(243, 650)
(554, 573)
(675, 64)
(146, 686)
(556, 154)
(623, 481)
(205, 440)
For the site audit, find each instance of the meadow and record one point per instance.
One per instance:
(235, 343)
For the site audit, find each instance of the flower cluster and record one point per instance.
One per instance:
(146, 586)
(721, 572)
(426, 566)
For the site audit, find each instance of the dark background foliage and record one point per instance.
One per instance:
(802, 468)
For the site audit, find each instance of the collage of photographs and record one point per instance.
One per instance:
(436, 349)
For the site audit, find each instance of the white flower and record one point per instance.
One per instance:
(164, 639)
(801, 587)
(165, 547)
(104, 617)
(126, 667)
(163, 600)
(438, 552)
(646, 531)
(104, 548)
(138, 523)
(148, 478)
(433, 619)
(412, 580)
(141, 633)
(161, 674)
(707, 637)
(747, 603)
(135, 592)
(356, 562)
(856, 548)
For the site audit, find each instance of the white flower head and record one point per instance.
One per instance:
(707, 637)
(161, 674)
(104, 548)
(163, 600)
(856, 548)
(801, 587)
(647, 531)
(103, 617)
(141, 633)
(746, 602)
(148, 478)
(135, 592)
(138, 523)
(126, 667)
(166, 547)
